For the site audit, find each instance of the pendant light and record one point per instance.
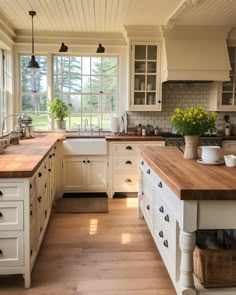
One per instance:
(100, 49)
(33, 64)
(63, 48)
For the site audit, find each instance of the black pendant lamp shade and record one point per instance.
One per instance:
(33, 64)
(63, 48)
(100, 49)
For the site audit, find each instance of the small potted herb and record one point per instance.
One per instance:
(60, 110)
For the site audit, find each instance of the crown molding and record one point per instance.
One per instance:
(142, 33)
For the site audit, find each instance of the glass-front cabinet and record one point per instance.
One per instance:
(145, 77)
(223, 94)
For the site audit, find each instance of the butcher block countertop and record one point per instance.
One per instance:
(188, 179)
(23, 160)
(134, 138)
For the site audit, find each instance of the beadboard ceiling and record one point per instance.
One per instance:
(108, 16)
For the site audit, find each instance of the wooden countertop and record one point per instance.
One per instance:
(134, 138)
(188, 179)
(24, 159)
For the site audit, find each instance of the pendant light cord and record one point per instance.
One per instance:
(32, 13)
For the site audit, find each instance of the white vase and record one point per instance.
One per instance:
(191, 147)
(61, 124)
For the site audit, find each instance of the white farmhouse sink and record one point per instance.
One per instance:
(85, 146)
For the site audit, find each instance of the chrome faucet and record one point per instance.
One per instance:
(85, 124)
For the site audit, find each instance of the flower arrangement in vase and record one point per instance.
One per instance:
(192, 122)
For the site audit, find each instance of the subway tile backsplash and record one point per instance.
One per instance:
(178, 95)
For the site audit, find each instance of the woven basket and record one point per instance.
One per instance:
(215, 267)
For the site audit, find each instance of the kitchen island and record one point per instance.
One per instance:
(177, 197)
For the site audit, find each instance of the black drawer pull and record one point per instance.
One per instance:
(88, 161)
(148, 207)
(55, 147)
(49, 170)
(165, 243)
(50, 156)
(45, 185)
(1, 214)
(31, 212)
(53, 154)
(148, 171)
(167, 218)
(40, 174)
(142, 162)
(39, 199)
(129, 147)
(1, 252)
(31, 252)
(128, 180)
(160, 184)
(84, 162)
(161, 209)
(128, 162)
(142, 193)
(31, 186)
(161, 234)
(1, 193)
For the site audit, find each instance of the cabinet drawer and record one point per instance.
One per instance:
(11, 215)
(124, 148)
(11, 191)
(128, 162)
(125, 182)
(11, 249)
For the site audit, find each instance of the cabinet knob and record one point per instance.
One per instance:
(142, 162)
(160, 184)
(50, 156)
(31, 186)
(129, 147)
(45, 185)
(88, 161)
(161, 209)
(39, 199)
(128, 180)
(84, 161)
(167, 218)
(142, 193)
(1, 252)
(1, 193)
(1, 214)
(31, 252)
(53, 154)
(40, 174)
(159, 101)
(148, 207)
(161, 234)
(148, 171)
(49, 170)
(55, 147)
(128, 162)
(31, 212)
(165, 243)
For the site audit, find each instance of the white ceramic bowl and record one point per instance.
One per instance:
(210, 154)
(230, 160)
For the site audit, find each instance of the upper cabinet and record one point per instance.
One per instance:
(145, 77)
(223, 94)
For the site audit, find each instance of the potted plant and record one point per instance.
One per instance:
(60, 110)
(192, 122)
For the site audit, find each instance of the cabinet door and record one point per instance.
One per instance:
(145, 77)
(74, 173)
(96, 174)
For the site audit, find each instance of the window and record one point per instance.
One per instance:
(3, 107)
(90, 84)
(34, 91)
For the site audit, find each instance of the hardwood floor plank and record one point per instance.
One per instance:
(96, 254)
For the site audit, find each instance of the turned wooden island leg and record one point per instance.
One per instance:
(187, 243)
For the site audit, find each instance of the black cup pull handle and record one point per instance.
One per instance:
(1, 193)
(167, 218)
(40, 174)
(88, 161)
(84, 161)
(161, 209)
(1, 214)
(161, 234)
(1, 252)
(160, 184)
(129, 147)
(148, 207)
(165, 243)
(128, 180)
(142, 162)
(31, 186)
(148, 171)
(128, 162)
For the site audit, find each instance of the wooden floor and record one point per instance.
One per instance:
(96, 254)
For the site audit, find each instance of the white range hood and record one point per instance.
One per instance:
(190, 54)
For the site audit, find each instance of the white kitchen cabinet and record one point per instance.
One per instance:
(123, 168)
(229, 145)
(25, 207)
(223, 94)
(85, 173)
(145, 87)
